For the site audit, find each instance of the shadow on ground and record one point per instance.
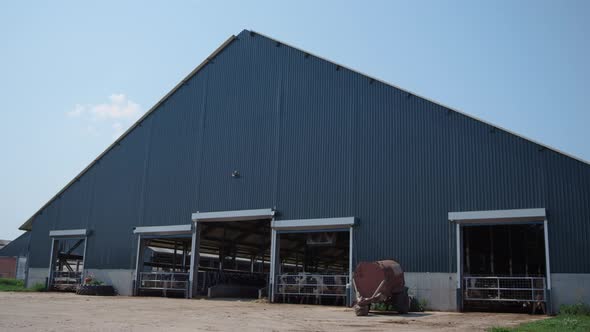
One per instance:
(396, 314)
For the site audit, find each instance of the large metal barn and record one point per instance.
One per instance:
(270, 172)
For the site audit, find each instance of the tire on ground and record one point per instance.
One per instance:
(361, 310)
(85, 290)
(100, 290)
(403, 302)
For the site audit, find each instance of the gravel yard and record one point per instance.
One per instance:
(68, 312)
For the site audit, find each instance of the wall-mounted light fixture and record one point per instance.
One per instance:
(235, 174)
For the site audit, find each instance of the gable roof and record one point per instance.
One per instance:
(28, 224)
(17, 247)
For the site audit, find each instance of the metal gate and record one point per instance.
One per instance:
(164, 281)
(312, 288)
(506, 289)
(66, 280)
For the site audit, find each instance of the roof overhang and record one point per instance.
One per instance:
(163, 230)
(233, 215)
(312, 224)
(498, 216)
(69, 233)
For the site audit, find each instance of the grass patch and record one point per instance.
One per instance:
(13, 285)
(9, 285)
(575, 309)
(418, 305)
(562, 322)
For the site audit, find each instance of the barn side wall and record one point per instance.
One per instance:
(315, 140)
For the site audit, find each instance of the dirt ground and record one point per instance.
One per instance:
(70, 312)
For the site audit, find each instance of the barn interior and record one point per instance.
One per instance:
(67, 264)
(165, 266)
(314, 267)
(504, 267)
(234, 261)
(234, 258)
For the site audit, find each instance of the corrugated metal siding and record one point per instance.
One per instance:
(315, 140)
(40, 247)
(171, 168)
(117, 183)
(568, 201)
(242, 136)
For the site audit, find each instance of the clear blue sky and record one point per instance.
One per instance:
(73, 74)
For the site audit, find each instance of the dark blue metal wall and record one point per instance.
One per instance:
(316, 140)
(18, 247)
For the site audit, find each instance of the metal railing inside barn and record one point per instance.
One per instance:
(310, 288)
(507, 289)
(164, 281)
(67, 278)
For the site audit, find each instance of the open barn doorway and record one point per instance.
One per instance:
(234, 258)
(66, 265)
(312, 261)
(314, 267)
(234, 255)
(164, 266)
(503, 267)
(503, 262)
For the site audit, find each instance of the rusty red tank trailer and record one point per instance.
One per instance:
(380, 282)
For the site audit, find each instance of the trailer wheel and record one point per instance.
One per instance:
(105, 290)
(85, 290)
(361, 310)
(100, 290)
(404, 307)
(403, 302)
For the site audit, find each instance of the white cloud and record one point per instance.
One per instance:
(114, 115)
(119, 108)
(118, 129)
(118, 98)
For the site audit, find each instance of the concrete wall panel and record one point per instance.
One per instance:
(438, 289)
